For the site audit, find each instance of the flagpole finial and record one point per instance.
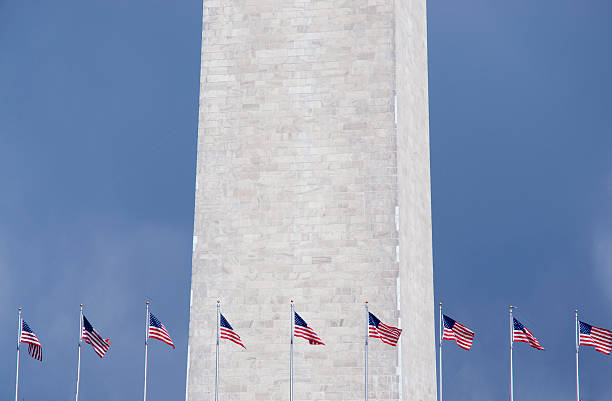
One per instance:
(440, 303)
(366, 301)
(81, 305)
(218, 301)
(148, 302)
(575, 310)
(512, 307)
(292, 301)
(19, 308)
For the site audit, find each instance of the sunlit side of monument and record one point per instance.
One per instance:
(313, 185)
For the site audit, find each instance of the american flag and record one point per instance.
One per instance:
(596, 337)
(91, 336)
(301, 329)
(521, 334)
(158, 331)
(227, 332)
(28, 337)
(387, 334)
(457, 332)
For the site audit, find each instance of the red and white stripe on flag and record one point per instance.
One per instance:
(301, 329)
(523, 335)
(91, 336)
(230, 335)
(226, 331)
(387, 334)
(596, 337)
(158, 331)
(28, 337)
(457, 332)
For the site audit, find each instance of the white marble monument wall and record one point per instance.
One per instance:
(310, 186)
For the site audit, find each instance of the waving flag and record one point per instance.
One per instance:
(596, 337)
(28, 337)
(521, 334)
(387, 334)
(158, 331)
(91, 336)
(301, 329)
(458, 333)
(227, 332)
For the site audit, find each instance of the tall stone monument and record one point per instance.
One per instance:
(313, 185)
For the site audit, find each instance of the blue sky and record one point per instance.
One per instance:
(98, 127)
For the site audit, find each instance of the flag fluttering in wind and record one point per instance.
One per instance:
(523, 335)
(28, 337)
(91, 336)
(301, 329)
(457, 332)
(226, 331)
(387, 334)
(596, 337)
(158, 331)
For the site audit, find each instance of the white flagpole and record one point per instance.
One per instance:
(577, 348)
(291, 357)
(511, 345)
(146, 350)
(440, 373)
(217, 361)
(367, 324)
(18, 341)
(79, 363)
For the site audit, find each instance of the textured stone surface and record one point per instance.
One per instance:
(300, 169)
(414, 197)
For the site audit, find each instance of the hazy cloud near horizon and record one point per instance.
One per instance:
(112, 270)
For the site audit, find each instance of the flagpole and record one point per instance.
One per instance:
(367, 316)
(79, 363)
(577, 348)
(146, 350)
(18, 341)
(291, 355)
(511, 345)
(217, 360)
(440, 373)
